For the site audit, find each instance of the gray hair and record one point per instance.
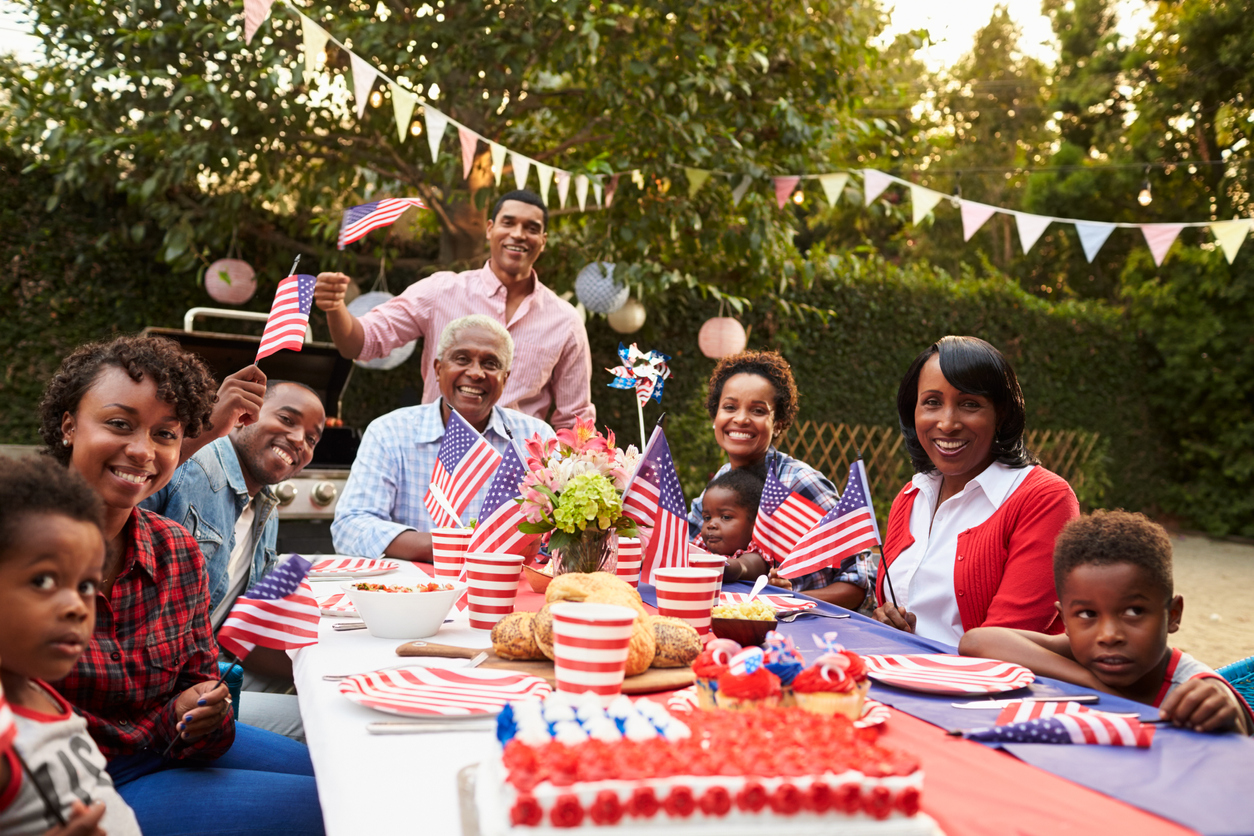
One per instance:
(454, 329)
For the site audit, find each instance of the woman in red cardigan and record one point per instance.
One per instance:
(970, 541)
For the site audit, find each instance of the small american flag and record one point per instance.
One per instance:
(1018, 711)
(784, 516)
(280, 612)
(746, 661)
(655, 500)
(497, 530)
(8, 728)
(1093, 727)
(844, 531)
(465, 463)
(359, 221)
(289, 316)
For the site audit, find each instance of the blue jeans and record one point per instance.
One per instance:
(263, 785)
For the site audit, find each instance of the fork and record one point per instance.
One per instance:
(790, 617)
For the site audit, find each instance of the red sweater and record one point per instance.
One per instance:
(1004, 571)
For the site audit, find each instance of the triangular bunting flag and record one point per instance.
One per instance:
(403, 103)
(581, 191)
(784, 187)
(973, 217)
(598, 191)
(436, 123)
(1231, 235)
(1030, 228)
(498, 160)
(363, 80)
(470, 143)
(1160, 237)
(522, 165)
(922, 201)
(563, 187)
(738, 193)
(696, 179)
(545, 173)
(1092, 236)
(610, 189)
(833, 186)
(255, 14)
(314, 40)
(873, 184)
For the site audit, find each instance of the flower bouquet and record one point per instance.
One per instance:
(573, 494)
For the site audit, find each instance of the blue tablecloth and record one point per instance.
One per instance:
(1202, 781)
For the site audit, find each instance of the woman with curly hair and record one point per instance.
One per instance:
(117, 414)
(970, 540)
(752, 399)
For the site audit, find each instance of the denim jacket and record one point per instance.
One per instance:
(207, 496)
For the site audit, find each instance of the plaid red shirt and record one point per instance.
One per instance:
(152, 642)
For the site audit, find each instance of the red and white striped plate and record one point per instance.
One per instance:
(685, 700)
(337, 604)
(940, 674)
(357, 567)
(779, 603)
(442, 692)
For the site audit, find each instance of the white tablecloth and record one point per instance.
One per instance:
(377, 784)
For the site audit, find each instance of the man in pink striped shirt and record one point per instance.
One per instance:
(554, 365)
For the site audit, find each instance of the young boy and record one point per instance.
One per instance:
(1112, 572)
(51, 556)
(728, 511)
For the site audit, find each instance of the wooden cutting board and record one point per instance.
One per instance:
(654, 679)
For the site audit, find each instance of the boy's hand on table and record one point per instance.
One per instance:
(1204, 704)
(893, 617)
(84, 821)
(200, 709)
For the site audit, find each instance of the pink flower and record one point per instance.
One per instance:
(583, 438)
(539, 451)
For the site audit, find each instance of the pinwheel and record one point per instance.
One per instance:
(644, 371)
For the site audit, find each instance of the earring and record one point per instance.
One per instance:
(65, 442)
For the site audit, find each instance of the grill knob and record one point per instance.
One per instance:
(286, 492)
(324, 494)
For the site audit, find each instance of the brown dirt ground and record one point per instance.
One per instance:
(1216, 578)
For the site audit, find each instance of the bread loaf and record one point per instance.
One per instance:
(599, 588)
(512, 637)
(542, 631)
(677, 642)
(640, 653)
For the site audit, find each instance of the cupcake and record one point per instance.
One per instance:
(747, 685)
(835, 684)
(784, 660)
(709, 666)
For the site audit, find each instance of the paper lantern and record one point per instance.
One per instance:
(398, 355)
(721, 336)
(597, 290)
(230, 281)
(628, 318)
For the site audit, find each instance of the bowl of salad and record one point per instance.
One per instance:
(403, 609)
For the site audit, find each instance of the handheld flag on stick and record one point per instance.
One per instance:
(463, 465)
(784, 516)
(845, 531)
(501, 513)
(654, 499)
(646, 372)
(1092, 727)
(360, 221)
(289, 314)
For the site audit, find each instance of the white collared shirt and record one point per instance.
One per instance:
(924, 572)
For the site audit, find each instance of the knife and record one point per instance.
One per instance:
(1081, 698)
(445, 651)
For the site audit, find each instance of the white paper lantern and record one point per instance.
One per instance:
(628, 319)
(597, 290)
(358, 307)
(230, 281)
(721, 336)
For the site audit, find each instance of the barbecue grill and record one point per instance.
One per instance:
(306, 501)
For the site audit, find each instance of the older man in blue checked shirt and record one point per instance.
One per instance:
(381, 512)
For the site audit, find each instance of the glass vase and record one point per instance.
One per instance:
(595, 551)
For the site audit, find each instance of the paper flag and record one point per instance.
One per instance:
(833, 186)
(597, 191)
(522, 165)
(1030, 228)
(255, 14)
(403, 103)
(1160, 237)
(873, 184)
(563, 187)
(784, 187)
(581, 191)
(738, 193)
(922, 201)
(1231, 235)
(1092, 236)
(314, 40)
(610, 189)
(696, 179)
(498, 160)
(545, 173)
(364, 75)
(974, 216)
(436, 123)
(470, 143)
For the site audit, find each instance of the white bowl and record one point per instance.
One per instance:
(403, 615)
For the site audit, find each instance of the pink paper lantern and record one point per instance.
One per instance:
(721, 336)
(230, 281)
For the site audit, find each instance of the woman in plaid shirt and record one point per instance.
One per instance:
(117, 414)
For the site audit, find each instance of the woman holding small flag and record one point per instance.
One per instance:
(970, 540)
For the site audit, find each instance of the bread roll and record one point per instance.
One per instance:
(542, 631)
(677, 642)
(512, 637)
(640, 651)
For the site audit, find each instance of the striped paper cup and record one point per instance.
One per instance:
(590, 643)
(698, 559)
(630, 556)
(492, 581)
(688, 594)
(448, 550)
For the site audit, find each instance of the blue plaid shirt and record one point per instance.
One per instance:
(393, 468)
(800, 477)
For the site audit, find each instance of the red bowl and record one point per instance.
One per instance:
(539, 580)
(744, 631)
